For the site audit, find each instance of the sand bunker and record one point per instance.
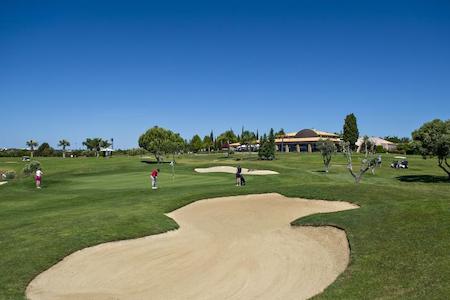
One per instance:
(226, 248)
(232, 170)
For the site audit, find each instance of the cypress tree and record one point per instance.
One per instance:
(267, 146)
(262, 147)
(351, 133)
(271, 142)
(211, 136)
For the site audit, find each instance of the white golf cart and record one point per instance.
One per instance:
(400, 163)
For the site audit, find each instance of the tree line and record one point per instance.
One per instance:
(93, 147)
(160, 141)
(432, 139)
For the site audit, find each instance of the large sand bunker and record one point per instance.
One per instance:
(232, 170)
(238, 247)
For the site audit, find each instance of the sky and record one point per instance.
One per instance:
(113, 69)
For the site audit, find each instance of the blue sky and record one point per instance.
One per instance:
(77, 69)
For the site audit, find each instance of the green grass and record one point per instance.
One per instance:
(400, 237)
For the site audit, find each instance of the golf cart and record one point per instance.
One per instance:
(400, 163)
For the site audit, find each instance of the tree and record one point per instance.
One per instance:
(158, 141)
(280, 133)
(211, 136)
(196, 143)
(208, 143)
(366, 164)
(351, 132)
(93, 144)
(175, 144)
(64, 143)
(327, 149)
(433, 139)
(271, 142)
(227, 138)
(105, 143)
(368, 145)
(263, 148)
(32, 144)
(44, 150)
(267, 147)
(247, 138)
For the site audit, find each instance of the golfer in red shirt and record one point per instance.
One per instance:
(154, 176)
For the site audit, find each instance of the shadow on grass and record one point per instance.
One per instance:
(239, 158)
(423, 178)
(151, 162)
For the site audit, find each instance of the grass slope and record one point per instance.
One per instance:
(399, 237)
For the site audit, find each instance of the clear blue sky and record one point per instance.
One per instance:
(77, 69)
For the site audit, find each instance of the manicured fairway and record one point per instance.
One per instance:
(399, 237)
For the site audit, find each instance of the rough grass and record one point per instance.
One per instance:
(399, 237)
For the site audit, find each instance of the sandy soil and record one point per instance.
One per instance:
(232, 170)
(226, 248)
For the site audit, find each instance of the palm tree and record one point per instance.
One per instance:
(247, 138)
(226, 138)
(64, 143)
(104, 143)
(32, 144)
(95, 144)
(207, 143)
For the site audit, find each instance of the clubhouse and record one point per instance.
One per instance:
(304, 140)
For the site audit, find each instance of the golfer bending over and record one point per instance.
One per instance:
(154, 177)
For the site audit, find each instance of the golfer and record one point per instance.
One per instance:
(38, 177)
(238, 175)
(154, 177)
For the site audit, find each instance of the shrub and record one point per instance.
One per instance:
(408, 148)
(9, 175)
(31, 167)
(136, 151)
(89, 153)
(81, 153)
(380, 149)
(13, 152)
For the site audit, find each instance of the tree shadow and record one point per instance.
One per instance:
(154, 162)
(423, 178)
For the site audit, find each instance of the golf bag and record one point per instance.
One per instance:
(242, 180)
